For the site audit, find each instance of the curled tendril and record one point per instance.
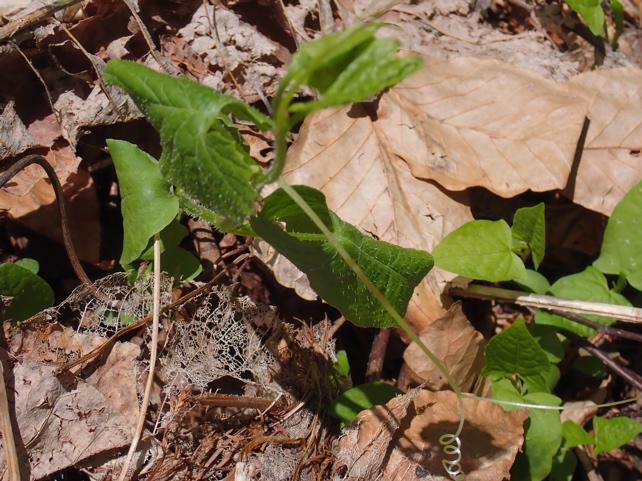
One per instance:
(451, 447)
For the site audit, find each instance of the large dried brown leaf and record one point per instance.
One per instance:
(351, 158)
(400, 440)
(454, 340)
(64, 421)
(611, 163)
(466, 122)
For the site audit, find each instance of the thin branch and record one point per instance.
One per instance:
(94, 64)
(167, 66)
(34, 18)
(60, 201)
(6, 427)
(612, 332)
(621, 313)
(628, 375)
(140, 425)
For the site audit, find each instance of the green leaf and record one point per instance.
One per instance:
(541, 441)
(618, 17)
(504, 390)
(533, 281)
(588, 285)
(549, 340)
(516, 352)
(574, 435)
(622, 245)
(591, 12)
(147, 204)
(480, 249)
(564, 464)
(30, 293)
(181, 264)
(394, 270)
(30, 264)
(529, 225)
(347, 67)
(202, 153)
(614, 432)
(349, 404)
(342, 364)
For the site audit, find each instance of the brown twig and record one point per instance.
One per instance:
(628, 375)
(612, 332)
(6, 427)
(34, 18)
(526, 299)
(60, 201)
(377, 355)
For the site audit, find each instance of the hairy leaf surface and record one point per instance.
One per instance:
(394, 270)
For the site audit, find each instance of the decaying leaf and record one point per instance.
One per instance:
(454, 340)
(14, 136)
(611, 162)
(466, 122)
(400, 441)
(63, 420)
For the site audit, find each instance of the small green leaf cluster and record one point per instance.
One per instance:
(592, 12)
(28, 293)
(521, 362)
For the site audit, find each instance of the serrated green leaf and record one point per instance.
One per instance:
(529, 225)
(574, 435)
(541, 441)
(516, 352)
(30, 293)
(480, 249)
(614, 432)
(202, 153)
(347, 67)
(533, 281)
(564, 464)
(622, 245)
(394, 270)
(30, 264)
(588, 285)
(147, 203)
(591, 12)
(349, 404)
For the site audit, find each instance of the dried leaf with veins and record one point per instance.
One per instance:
(611, 162)
(400, 441)
(454, 340)
(347, 155)
(466, 122)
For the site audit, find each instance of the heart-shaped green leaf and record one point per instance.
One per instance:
(29, 292)
(147, 204)
(481, 249)
(622, 245)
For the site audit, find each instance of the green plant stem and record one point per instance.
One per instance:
(401, 322)
(281, 129)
